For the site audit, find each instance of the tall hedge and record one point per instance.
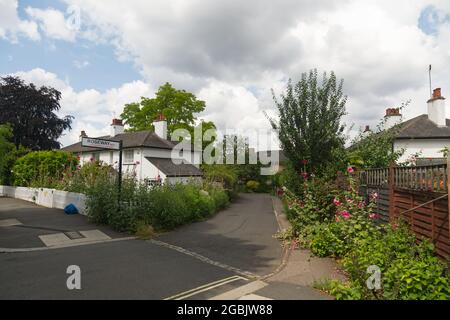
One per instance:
(43, 168)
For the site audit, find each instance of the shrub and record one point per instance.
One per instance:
(164, 207)
(252, 185)
(86, 176)
(42, 168)
(408, 270)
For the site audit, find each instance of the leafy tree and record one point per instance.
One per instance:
(309, 123)
(374, 149)
(31, 113)
(178, 106)
(9, 154)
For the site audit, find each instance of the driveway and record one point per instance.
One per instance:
(194, 262)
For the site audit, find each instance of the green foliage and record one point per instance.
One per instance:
(252, 185)
(164, 208)
(373, 149)
(309, 121)
(9, 154)
(222, 174)
(409, 270)
(84, 177)
(43, 168)
(32, 114)
(178, 106)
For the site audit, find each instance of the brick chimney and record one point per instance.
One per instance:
(83, 135)
(392, 117)
(116, 127)
(160, 125)
(436, 108)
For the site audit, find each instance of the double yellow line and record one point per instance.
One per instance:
(206, 287)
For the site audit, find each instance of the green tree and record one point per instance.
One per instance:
(309, 123)
(374, 149)
(31, 113)
(178, 106)
(9, 154)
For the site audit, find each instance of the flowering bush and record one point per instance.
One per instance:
(409, 270)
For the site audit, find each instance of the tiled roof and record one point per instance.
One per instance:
(171, 169)
(144, 138)
(421, 127)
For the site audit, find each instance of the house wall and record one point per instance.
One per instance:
(140, 166)
(429, 148)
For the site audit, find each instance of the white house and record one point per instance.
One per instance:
(146, 154)
(425, 135)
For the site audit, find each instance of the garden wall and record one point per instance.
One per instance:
(50, 198)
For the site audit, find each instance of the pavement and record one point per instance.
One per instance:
(232, 255)
(25, 225)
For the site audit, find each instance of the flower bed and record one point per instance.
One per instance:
(344, 228)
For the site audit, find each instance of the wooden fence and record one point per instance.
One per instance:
(417, 195)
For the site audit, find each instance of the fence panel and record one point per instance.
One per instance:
(414, 188)
(429, 221)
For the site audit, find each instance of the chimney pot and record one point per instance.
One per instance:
(367, 129)
(437, 93)
(161, 117)
(116, 127)
(83, 135)
(116, 122)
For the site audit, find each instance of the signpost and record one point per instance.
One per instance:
(110, 145)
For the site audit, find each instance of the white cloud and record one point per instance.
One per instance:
(231, 53)
(81, 64)
(52, 23)
(11, 26)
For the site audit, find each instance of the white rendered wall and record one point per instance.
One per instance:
(428, 148)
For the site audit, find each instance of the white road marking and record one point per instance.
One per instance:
(254, 297)
(243, 273)
(10, 223)
(205, 287)
(241, 291)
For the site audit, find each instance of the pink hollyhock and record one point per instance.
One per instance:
(375, 195)
(344, 214)
(304, 175)
(361, 204)
(350, 170)
(336, 202)
(373, 216)
(92, 159)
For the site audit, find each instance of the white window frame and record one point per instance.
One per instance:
(126, 156)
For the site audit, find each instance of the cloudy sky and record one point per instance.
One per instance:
(229, 53)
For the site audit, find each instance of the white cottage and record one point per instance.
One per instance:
(146, 154)
(426, 134)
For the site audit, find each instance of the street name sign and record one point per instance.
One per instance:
(100, 143)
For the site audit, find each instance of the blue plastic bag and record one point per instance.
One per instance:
(70, 209)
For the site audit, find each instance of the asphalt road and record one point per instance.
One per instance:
(203, 263)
